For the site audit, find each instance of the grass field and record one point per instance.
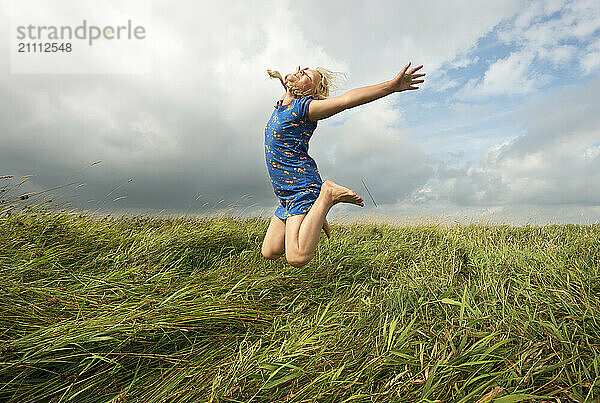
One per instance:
(150, 310)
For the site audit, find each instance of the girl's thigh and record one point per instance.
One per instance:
(274, 242)
(292, 229)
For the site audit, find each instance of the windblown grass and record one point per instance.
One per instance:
(145, 309)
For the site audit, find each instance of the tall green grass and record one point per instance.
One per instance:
(151, 310)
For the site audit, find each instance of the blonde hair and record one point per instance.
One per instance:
(327, 84)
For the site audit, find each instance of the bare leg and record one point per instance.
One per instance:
(273, 245)
(302, 231)
(327, 229)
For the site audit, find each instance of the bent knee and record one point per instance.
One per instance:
(298, 260)
(270, 255)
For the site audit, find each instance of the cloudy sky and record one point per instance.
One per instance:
(506, 127)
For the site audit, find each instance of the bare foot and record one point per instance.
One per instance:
(327, 229)
(340, 194)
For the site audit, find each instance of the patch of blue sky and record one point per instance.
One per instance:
(448, 126)
(487, 51)
(491, 117)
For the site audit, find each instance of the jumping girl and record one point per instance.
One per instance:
(304, 199)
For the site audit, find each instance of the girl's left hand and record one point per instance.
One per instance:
(406, 80)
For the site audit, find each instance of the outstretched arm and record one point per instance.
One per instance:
(322, 109)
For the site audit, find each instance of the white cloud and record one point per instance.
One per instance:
(540, 32)
(556, 161)
(547, 23)
(591, 152)
(506, 76)
(590, 62)
(558, 55)
(440, 81)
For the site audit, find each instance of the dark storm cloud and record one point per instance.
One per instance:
(193, 126)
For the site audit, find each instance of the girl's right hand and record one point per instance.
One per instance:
(406, 80)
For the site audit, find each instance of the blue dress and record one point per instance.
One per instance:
(294, 174)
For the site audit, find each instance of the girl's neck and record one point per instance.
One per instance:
(287, 98)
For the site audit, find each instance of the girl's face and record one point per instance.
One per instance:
(305, 80)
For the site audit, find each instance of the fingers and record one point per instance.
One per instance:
(405, 68)
(412, 71)
(411, 76)
(415, 69)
